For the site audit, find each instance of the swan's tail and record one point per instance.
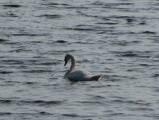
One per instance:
(97, 77)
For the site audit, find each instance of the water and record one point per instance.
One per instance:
(116, 38)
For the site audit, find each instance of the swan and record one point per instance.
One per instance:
(78, 75)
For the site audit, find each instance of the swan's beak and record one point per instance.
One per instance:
(65, 63)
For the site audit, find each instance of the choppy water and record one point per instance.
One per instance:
(117, 38)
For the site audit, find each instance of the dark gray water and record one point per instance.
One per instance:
(116, 38)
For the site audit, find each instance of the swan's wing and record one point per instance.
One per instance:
(79, 75)
(82, 72)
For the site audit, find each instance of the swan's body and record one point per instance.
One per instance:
(78, 75)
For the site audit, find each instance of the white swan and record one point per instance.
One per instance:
(78, 75)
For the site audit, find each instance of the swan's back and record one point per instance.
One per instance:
(78, 75)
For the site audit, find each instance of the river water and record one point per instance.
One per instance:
(116, 38)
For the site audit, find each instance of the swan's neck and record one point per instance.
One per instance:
(72, 64)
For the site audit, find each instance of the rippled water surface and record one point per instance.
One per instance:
(116, 38)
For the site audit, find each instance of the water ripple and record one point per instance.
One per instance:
(12, 5)
(31, 102)
(116, 38)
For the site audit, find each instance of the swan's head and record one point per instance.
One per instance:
(67, 58)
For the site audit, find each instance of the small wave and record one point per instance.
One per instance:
(145, 54)
(136, 102)
(148, 32)
(91, 102)
(5, 113)
(107, 23)
(86, 28)
(44, 113)
(30, 34)
(10, 113)
(3, 40)
(29, 83)
(6, 72)
(55, 4)
(116, 78)
(36, 71)
(112, 4)
(51, 16)
(12, 5)
(116, 114)
(39, 102)
(76, 7)
(42, 102)
(129, 54)
(142, 109)
(60, 41)
(156, 75)
(70, 115)
(10, 14)
(5, 101)
(145, 65)
(124, 43)
(13, 61)
(98, 97)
